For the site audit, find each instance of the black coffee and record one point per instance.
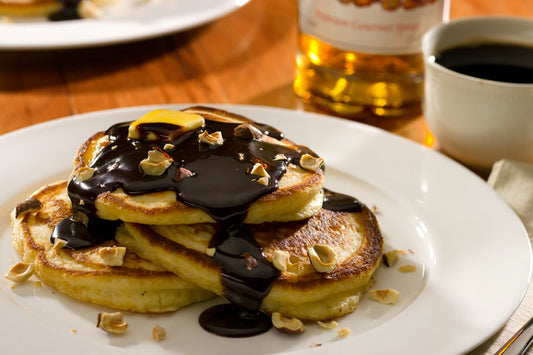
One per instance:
(493, 61)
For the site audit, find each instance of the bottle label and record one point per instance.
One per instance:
(371, 26)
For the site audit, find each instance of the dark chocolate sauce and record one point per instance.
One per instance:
(247, 277)
(271, 131)
(80, 236)
(338, 202)
(246, 274)
(233, 321)
(68, 11)
(219, 183)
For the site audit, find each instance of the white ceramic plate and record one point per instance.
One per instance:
(472, 253)
(128, 20)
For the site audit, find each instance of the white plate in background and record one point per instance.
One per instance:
(125, 21)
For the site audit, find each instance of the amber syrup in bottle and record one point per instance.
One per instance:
(362, 58)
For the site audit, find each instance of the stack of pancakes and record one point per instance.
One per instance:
(56, 10)
(28, 7)
(205, 202)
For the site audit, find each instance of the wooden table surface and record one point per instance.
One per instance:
(246, 57)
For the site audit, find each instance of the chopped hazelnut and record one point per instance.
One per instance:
(344, 332)
(259, 170)
(88, 9)
(390, 258)
(308, 162)
(112, 322)
(182, 173)
(263, 180)
(59, 244)
(20, 272)
(279, 157)
(250, 261)
(159, 333)
(280, 259)
(29, 205)
(81, 218)
(113, 256)
(156, 163)
(407, 268)
(322, 257)
(214, 138)
(168, 147)
(287, 325)
(247, 131)
(386, 296)
(327, 325)
(84, 173)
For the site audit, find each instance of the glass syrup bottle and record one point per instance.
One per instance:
(361, 58)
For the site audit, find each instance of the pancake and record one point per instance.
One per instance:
(57, 9)
(133, 284)
(28, 7)
(301, 291)
(222, 183)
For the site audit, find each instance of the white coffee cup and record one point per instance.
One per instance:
(478, 121)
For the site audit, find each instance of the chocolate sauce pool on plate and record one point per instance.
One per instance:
(219, 182)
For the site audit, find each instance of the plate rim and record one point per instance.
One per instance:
(360, 126)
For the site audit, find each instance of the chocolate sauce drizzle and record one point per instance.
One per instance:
(338, 202)
(219, 183)
(68, 11)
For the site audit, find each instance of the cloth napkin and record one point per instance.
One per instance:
(513, 181)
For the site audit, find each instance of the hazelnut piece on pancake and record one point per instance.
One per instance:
(28, 205)
(308, 162)
(322, 257)
(214, 138)
(156, 163)
(247, 131)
